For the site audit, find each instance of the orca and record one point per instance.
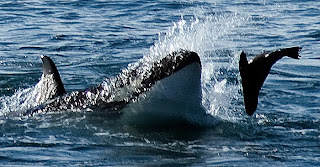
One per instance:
(255, 72)
(172, 81)
(131, 85)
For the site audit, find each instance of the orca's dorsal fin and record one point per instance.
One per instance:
(254, 73)
(51, 84)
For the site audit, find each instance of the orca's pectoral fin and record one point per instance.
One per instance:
(253, 74)
(52, 85)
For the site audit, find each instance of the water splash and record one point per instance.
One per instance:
(24, 99)
(20, 101)
(202, 34)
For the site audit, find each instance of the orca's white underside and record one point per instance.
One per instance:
(174, 98)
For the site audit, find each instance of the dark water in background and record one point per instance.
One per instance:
(93, 40)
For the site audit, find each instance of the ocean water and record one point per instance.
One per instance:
(94, 40)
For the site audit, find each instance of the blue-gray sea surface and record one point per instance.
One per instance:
(91, 40)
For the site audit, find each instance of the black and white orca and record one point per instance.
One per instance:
(176, 78)
(172, 81)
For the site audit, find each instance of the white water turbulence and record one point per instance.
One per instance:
(24, 99)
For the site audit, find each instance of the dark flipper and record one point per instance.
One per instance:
(255, 72)
(52, 85)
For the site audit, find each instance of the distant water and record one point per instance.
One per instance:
(94, 40)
